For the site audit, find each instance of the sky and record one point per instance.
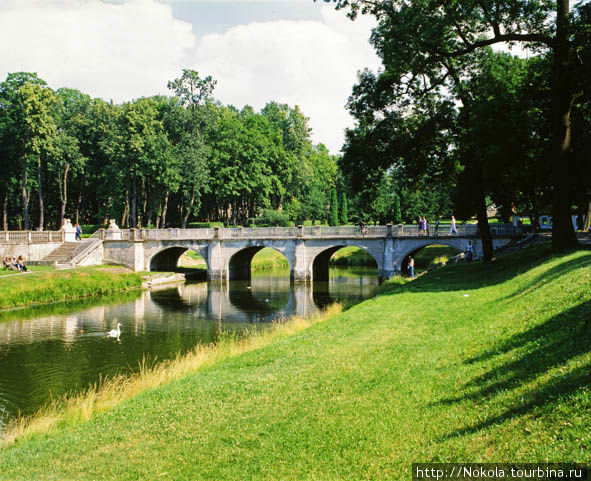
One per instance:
(291, 51)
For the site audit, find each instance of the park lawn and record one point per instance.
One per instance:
(6, 272)
(45, 285)
(433, 254)
(473, 362)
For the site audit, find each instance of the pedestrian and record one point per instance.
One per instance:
(78, 232)
(411, 267)
(362, 227)
(469, 252)
(436, 233)
(452, 229)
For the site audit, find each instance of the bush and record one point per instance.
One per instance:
(204, 225)
(273, 218)
(89, 229)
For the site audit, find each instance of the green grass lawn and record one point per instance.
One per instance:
(473, 362)
(6, 272)
(433, 255)
(45, 284)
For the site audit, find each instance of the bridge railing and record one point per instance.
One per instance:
(257, 232)
(30, 236)
(307, 232)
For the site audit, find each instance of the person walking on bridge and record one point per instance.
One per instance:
(452, 229)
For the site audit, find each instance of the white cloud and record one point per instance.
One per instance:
(111, 51)
(127, 50)
(311, 64)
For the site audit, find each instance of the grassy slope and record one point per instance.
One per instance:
(422, 373)
(51, 286)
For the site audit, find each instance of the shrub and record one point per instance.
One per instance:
(273, 218)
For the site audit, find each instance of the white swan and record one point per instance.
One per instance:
(115, 332)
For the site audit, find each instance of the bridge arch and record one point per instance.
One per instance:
(167, 258)
(321, 261)
(459, 244)
(239, 266)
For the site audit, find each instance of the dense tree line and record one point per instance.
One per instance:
(157, 161)
(449, 114)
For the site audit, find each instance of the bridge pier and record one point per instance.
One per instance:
(216, 268)
(300, 271)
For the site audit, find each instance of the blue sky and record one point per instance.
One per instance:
(293, 51)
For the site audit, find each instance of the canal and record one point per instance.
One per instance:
(49, 351)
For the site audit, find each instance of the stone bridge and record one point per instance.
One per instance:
(228, 252)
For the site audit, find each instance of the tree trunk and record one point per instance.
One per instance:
(133, 219)
(24, 193)
(189, 209)
(125, 210)
(145, 201)
(41, 210)
(164, 209)
(5, 211)
(585, 228)
(64, 197)
(563, 234)
(79, 202)
(488, 250)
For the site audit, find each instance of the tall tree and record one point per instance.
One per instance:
(333, 218)
(343, 212)
(24, 133)
(430, 44)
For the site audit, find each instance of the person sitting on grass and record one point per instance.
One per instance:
(20, 263)
(7, 263)
(12, 264)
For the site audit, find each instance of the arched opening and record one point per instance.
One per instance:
(428, 256)
(244, 261)
(167, 260)
(193, 265)
(180, 259)
(341, 256)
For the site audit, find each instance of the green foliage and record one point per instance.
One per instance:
(333, 218)
(433, 52)
(205, 225)
(397, 214)
(343, 210)
(272, 218)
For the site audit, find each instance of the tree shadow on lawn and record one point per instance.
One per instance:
(551, 275)
(464, 277)
(551, 344)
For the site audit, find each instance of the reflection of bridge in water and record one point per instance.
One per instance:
(260, 300)
(228, 253)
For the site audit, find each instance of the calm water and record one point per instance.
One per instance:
(49, 351)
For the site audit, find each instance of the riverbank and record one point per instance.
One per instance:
(48, 285)
(473, 362)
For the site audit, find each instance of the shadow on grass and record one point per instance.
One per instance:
(547, 395)
(549, 345)
(463, 277)
(550, 275)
